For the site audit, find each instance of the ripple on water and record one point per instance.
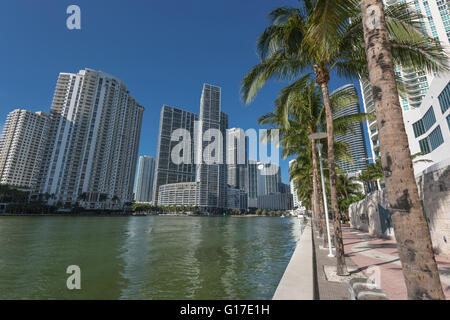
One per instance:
(145, 257)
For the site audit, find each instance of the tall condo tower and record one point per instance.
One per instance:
(296, 202)
(252, 187)
(167, 171)
(91, 153)
(237, 159)
(212, 173)
(21, 148)
(354, 138)
(145, 179)
(436, 24)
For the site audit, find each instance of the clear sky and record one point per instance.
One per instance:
(162, 50)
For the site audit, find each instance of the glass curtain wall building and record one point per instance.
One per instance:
(167, 172)
(145, 179)
(354, 138)
(212, 171)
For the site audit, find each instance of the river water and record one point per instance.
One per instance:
(153, 257)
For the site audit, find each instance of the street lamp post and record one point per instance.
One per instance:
(312, 137)
(319, 147)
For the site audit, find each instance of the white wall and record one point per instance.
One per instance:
(431, 99)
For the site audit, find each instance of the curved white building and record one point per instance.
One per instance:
(178, 194)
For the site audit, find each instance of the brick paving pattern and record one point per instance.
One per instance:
(362, 252)
(366, 251)
(328, 290)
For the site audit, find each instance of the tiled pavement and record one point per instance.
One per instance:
(362, 252)
(366, 251)
(328, 290)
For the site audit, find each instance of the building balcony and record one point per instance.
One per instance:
(376, 147)
(374, 135)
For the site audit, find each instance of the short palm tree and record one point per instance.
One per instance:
(327, 35)
(348, 192)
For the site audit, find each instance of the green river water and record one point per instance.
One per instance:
(155, 257)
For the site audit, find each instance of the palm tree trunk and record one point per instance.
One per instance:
(411, 230)
(322, 78)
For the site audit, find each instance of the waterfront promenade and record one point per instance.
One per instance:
(365, 251)
(309, 274)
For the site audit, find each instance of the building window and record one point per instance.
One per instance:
(436, 138)
(444, 98)
(418, 128)
(429, 119)
(433, 141)
(448, 121)
(425, 145)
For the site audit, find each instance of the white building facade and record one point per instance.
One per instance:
(436, 24)
(92, 148)
(428, 127)
(178, 194)
(21, 148)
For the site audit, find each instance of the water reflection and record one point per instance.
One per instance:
(145, 257)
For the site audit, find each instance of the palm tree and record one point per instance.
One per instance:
(299, 112)
(410, 226)
(326, 35)
(371, 174)
(349, 191)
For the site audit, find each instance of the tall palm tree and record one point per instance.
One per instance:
(327, 35)
(299, 112)
(410, 226)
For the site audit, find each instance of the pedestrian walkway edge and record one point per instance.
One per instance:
(297, 282)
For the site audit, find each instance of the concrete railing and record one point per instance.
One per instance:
(297, 282)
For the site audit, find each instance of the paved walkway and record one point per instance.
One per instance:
(366, 251)
(328, 290)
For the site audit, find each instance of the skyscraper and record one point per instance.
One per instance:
(237, 159)
(268, 179)
(145, 177)
(296, 202)
(93, 143)
(209, 185)
(167, 171)
(21, 148)
(212, 173)
(252, 188)
(354, 137)
(417, 82)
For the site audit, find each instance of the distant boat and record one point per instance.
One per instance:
(282, 215)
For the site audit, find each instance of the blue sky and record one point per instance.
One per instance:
(163, 50)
